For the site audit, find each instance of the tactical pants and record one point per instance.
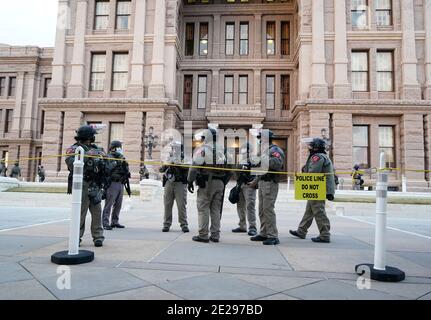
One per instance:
(209, 203)
(175, 191)
(268, 191)
(114, 198)
(316, 210)
(246, 207)
(96, 216)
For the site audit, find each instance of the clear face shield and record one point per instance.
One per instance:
(308, 142)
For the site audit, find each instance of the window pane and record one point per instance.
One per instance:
(285, 92)
(359, 4)
(230, 31)
(202, 92)
(360, 81)
(243, 83)
(121, 62)
(386, 136)
(384, 61)
(244, 30)
(383, 4)
(123, 7)
(116, 131)
(385, 81)
(229, 47)
(243, 98)
(270, 101)
(102, 8)
(359, 18)
(188, 89)
(98, 63)
(360, 157)
(389, 157)
(202, 100)
(97, 81)
(228, 98)
(12, 87)
(270, 37)
(123, 22)
(120, 81)
(285, 35)
(228, 84)
(359, 61)
(270, 84)
(190, 38)
(202, 84)
(360, 136)
(101, 23)
(2, 86)
(203, 39)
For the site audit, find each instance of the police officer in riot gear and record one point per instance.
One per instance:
(317, 162)
(268, 191)
(93, 183)
(246, 206)
(3, 168)
(117, 178)
(211, 183)
(175, 188)
(15, 171)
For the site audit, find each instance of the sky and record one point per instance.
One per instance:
(28, 22)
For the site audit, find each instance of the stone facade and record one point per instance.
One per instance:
(172, 43)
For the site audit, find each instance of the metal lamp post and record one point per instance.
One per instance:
(151, 142)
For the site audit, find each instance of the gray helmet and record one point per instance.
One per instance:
(85, 133)
(115, 144)
(318, 144)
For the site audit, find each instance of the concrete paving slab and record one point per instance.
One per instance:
(411, 291)
(426, 297)
(13, 245)
(93, 282)
(141, 234)
(216, 287)
(278, 297)
(223, 255)
(10, 271)
(58, 229)
(95, 263)
(162, 276)
(336, 290)
(420, 258)
(146, 293)
(168, 266)
(337, 242)
(276, 283)
(24, 290)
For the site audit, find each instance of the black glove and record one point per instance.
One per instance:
(190, 187)
(330, 197)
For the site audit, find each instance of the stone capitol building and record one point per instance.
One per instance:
(357, 72)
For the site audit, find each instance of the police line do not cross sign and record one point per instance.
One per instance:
(310, 186)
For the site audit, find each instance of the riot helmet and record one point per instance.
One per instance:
(85, 133)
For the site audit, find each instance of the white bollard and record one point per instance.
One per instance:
(379, 270)
(404, 183)
(78, 177)
(381, 208)
(288, 183)
(74, 255)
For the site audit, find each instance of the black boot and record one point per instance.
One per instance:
(271, 242)
(320, 240)
(258, 238)
(296, 234)
(199, 239)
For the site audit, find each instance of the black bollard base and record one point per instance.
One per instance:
(63, 257)
(391, 274)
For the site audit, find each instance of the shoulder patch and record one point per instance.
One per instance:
(70, 150)
(315, 158)
(276, 154)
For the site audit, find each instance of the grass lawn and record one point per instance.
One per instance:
(397, 200)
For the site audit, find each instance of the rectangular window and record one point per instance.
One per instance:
(387, 144)
(2, 86)
(46, 84)
(243, 38)
(188, 91)
(385, 71)
(8, 120)
(98, 69)
(361, 146)
(285, 92)
(270, 38)
(228, 90)
(203, 39)
(124, 10)
(384, 12)
(270, 92)
(359, 11)
(120, 71)
(5, 157)
(360, 71)
(202, 92)
(116, 131)
(190, 39)
(101, 17)
(42, 122)
(285, 38)
(243, 89)
(230, 38)
(12, 87)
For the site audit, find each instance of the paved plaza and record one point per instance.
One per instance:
(141, 262)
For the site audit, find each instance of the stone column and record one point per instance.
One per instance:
(412, 147)
(342, 87)
(342, 143)
(136, 85)
(318, 121)
(133, 140)
(157, 87)
(257, 88)
(17, 111)
(76, 85)
(427, 19)
(52, 141)
(258, 36)
(29, 108)
(427, 130)
(410, 86)
(319, 87)
(215, 94)
(302, 131)
(25, 152)
(216, 36)
(56, 88)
